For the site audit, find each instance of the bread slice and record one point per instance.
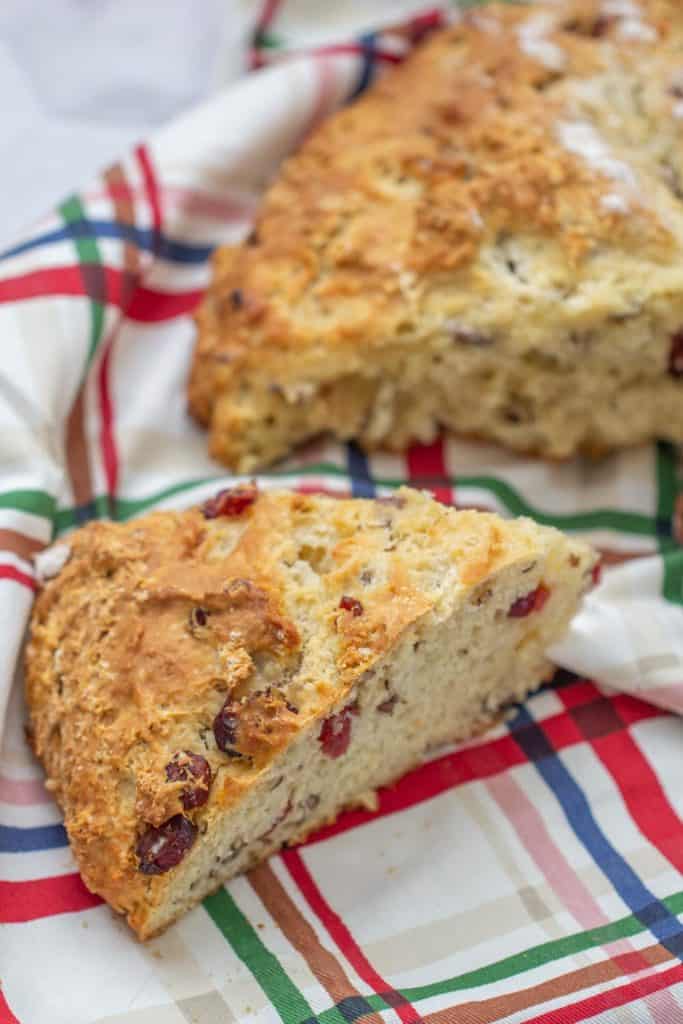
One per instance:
(490, 240)
(207, 685)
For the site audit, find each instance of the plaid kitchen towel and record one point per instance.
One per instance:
(531, 875)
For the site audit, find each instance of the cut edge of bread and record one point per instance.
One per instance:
(445, 680)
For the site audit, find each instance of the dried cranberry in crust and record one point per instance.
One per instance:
(676, 355)
(160, 849)
(198, 617)
(678, 520)
(596, 574)
(387, 706)
(231, 501)
(531, 602)
(351, 604)
(335, 734)
(601, 26)
(225, 731)
(188, 767)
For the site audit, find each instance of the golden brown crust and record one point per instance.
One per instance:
(125, 676)
(155, 626)
(367, 225)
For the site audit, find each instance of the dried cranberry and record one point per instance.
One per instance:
(236, 298)
(160, 849)
(188, 767)
(678, 520)
(531, 602)
(676, 355)
(335, 734)
(198, 617)
(225, 731)
(596, 574)
(231, 501)
(601, 26)
(351, 604)
(387, 706)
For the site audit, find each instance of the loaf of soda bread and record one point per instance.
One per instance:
(207, 685)
(490, 241)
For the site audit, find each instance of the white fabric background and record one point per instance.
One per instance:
(81, 80)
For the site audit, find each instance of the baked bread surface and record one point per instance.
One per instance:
(489, 240)
(202, 690)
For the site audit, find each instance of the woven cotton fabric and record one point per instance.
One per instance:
(532, 875)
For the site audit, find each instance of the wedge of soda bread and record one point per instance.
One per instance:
(490, 240)
(207, 685)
